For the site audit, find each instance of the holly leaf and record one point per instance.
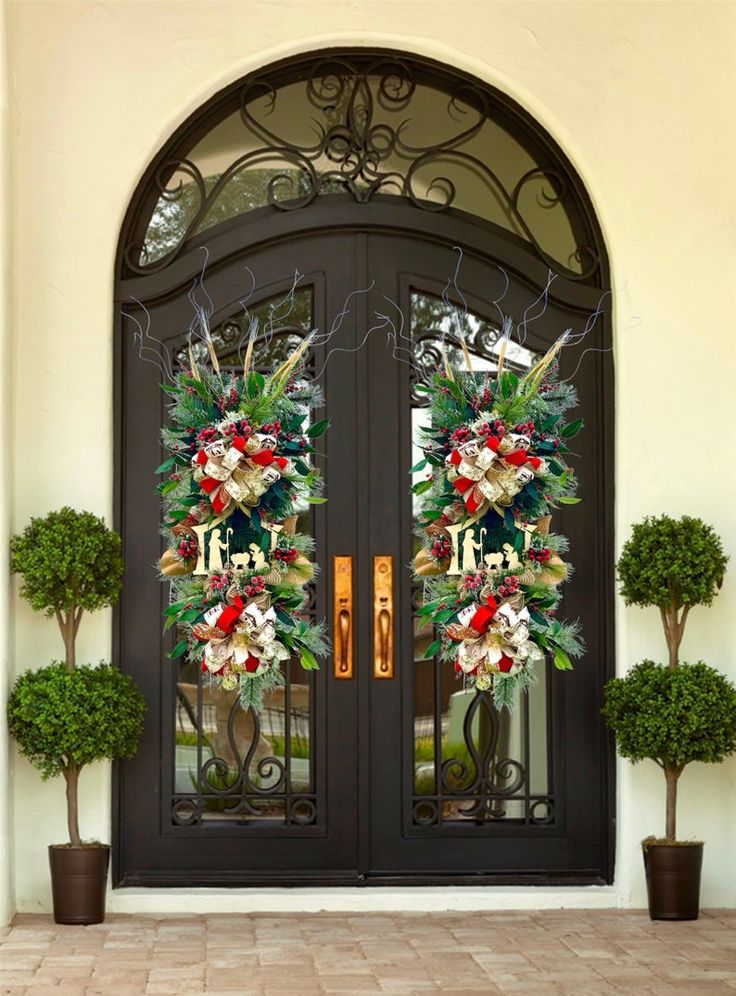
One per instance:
(315, 500)
(256, 383)
(318, 429)
(284, 617)
(308, 661)
(569, 500)
(166, 466)
(168, 486)
(176, 607)
(572, 428)
(179, 650)
(432, 649)
(561, 660)
(418, 466)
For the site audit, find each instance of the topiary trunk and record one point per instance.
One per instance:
(69, 626)
(71, 775)
(671, 775)
(673, 622)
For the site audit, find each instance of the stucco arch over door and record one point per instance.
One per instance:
(357, 168)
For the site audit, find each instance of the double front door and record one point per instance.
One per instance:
(378, 768)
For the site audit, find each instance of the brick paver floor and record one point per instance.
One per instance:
(580, 952)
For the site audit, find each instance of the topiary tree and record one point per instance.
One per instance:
(672, 716)
(673, 564)
(71, 563)
(64, 718)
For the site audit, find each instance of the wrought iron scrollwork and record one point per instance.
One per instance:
(427, 355)
(366, 141)
(246, 786)
(482, 785)
(491, 777)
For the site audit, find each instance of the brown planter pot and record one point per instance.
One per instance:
(673, 880)
(79, 882)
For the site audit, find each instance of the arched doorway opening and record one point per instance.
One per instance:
(364, 169)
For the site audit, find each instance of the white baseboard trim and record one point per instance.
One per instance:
(352, 900)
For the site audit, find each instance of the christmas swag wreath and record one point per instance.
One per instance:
(495, 447)
(239, 462)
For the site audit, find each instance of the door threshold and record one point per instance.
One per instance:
(185, 901)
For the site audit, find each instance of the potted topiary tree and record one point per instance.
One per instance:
(676, 713)
(63, 716)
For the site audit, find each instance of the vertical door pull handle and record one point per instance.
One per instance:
(342, 568)
(383, 617)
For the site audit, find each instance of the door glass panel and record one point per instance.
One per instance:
(472, 763)
(233, 766)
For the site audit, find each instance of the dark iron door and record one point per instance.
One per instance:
(464, 791)
(369, 779)
(215, 795)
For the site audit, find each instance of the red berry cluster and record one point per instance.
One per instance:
(300, 440)
(207, 434)
(187, 548)
(540, 556)
(461, 435)
(482, 400)
(271, 428)
(441, 549)
(228, 400)
(218, 582)
(496, 428)
(551, 439)
(286, 555)
(472, 582)
(256, 586)
(509, 586)
(525, 428)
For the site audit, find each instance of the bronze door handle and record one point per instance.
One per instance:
(343, 616)
(383, 617)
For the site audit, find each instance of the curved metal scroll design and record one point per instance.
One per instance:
(246, 785)
(364, 144)
(230, 337)
(492, 778)
(427, 355)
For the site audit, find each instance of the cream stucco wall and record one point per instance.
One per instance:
(640, 96)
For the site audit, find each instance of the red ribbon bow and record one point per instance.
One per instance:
(229, 616)
(484, 615)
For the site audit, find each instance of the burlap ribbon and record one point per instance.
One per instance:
(493, 637)
(240, 636)
(239, 470)
(490, 473)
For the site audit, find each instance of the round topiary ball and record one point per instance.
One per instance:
(86, 714)
(68, 559)
(666, 560)
(672, 716)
